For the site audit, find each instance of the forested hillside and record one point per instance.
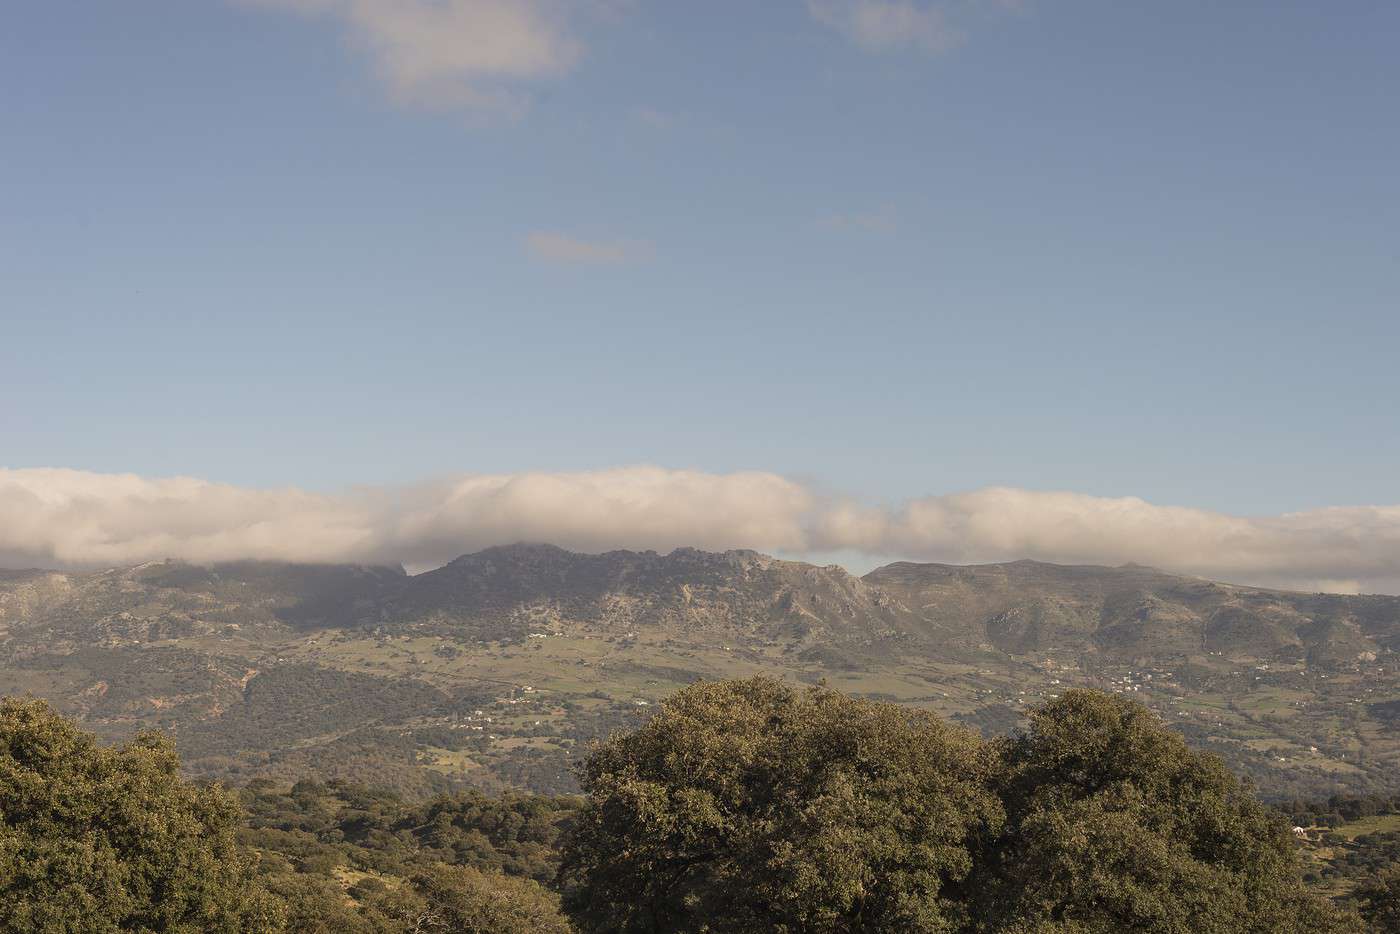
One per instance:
(743, 806)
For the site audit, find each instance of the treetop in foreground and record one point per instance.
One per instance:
(749, 806)
(1114, 824)
(99, 838)
(742, 806)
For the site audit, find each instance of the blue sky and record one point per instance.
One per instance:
(887, 249)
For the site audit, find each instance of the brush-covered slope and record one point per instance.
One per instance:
(1134, 613)
(493, 670)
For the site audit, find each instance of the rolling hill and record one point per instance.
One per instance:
(492, 670)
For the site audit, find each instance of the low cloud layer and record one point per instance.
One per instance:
(70, 518)
(453, 53)
(76, 519)
(1343, 549)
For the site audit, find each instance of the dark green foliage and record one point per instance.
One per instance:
(1340, 808)
(265, 729)
(1379, 900)
(377, 831)
(463, 900)
(438, 898)
(740, 807)
(746, 806)
(1113, 824)
(105, 839)
(743, 806)
(287, 703)
(317, 904)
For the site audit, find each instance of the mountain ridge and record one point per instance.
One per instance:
(380, 666)
(1017, 607)
(529, 547)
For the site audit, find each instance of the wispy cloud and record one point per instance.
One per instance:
(555, 247)
(453, 53)
(69, 518)
(888, 25)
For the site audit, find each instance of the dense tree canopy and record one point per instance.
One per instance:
(1379, 898)
(742, 806)
(1113, 824)
(463, 900)
(111, 838)
(99, 839)
(747, 806)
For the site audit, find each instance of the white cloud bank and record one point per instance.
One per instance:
(69, 518)
(56, 517)
(453, 53)
(1339, 548)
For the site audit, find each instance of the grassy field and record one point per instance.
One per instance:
(1383, 823)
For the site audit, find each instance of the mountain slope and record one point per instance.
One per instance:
(492, 670)
(741, 593)
(1135, 613)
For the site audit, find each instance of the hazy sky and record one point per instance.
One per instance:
(884, 249)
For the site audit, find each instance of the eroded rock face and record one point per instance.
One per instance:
(743, 592)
